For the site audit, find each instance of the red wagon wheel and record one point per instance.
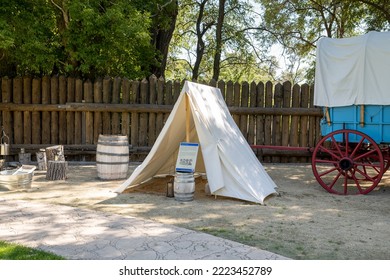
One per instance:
(348, 162)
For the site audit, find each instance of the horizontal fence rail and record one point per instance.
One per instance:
(58, 110)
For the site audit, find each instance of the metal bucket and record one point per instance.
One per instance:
(4, 147)
(20, 178)
(184, 186)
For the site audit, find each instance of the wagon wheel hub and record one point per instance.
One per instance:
(346, 164)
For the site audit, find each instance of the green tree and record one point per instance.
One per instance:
(215, 39)
(28, 42)
(79, 37)
(377, 14)
(104, 38)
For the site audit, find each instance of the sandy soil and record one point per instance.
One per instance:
(302, 222)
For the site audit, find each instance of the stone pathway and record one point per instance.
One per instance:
(77, 233)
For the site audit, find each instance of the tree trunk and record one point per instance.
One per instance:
(56, 170)
(161, 37)
(218, 40)
(200, 45)
(55, 153)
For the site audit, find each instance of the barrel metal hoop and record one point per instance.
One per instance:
(112, 163)
(111, 154)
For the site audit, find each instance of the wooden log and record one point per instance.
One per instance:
(280, 152)
(125, 100)
(311, 122)
(251, 118)
(221, 86)
(36, 116)
(260, 118)
(160, 101)
(168, 101)
(55, 153)
(276, 123)
(134, 115)
(152, 116)
(6, 97)
(152, 108)
(143, 121)
(295, 120)
(18, 116)
(46, 119)
(229, 94)
(27, 115)
(244, 104)
(54, 114)
(97, 116)
(286, 119)
(115, 117)
(236, 102)
(79, 130)
(213, 83)
(62, 115)
(25, 158)
(56, 170)
(107, 92)
(70, 116)
(176, 90)
(303, 141)
(88, 97)
(41, 159)
(268, 118)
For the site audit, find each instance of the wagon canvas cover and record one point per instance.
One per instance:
(232, 168)
(353, 71)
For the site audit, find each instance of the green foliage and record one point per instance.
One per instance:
(87, 37)
(244, 54)
(27, 35)
(106, 38)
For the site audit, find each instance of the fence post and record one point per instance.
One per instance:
(46, 119)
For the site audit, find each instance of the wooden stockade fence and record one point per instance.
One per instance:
(58, 110)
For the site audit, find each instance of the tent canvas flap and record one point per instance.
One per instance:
(232, 168)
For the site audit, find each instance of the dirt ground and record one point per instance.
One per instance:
(302, 222)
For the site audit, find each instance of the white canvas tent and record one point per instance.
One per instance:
(353, 71)
(232, 168)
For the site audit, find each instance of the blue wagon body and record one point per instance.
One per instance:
(375, 123)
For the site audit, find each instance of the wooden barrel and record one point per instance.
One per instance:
(112, 157)
(184, 186)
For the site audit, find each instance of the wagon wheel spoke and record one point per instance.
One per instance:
(376, 167)
(332, 184)
(345, 185)
(346, 140)
(334, 142)
(370, 152)
(330, 152)
(357, 183)
(357, 146)
(328, 171)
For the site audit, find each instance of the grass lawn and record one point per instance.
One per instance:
(11, 251)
